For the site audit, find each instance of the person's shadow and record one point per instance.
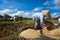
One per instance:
(44, 38)
(40, 38)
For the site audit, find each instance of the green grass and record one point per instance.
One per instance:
(30, 21)
(54, 21)
(23, 21)
(9, 22)
(1, 23)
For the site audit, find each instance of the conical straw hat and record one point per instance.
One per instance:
(46, 13)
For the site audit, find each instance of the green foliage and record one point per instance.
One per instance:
(53, 20)
(1, 16)
(6, 22)
(25, 18)
(9, 22)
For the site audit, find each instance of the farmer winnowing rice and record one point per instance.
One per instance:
(39, 19)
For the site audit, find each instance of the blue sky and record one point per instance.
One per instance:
(27, 8)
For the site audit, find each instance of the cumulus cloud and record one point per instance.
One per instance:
(57, 4)
(18, 13)
(13, 13)
(46, 3)
(6, 11)
(56, 7)
(56, 1)
(22, 13)
(36, 9)
(10, 6)
(26, 14)
(52, 2)
(54, 15)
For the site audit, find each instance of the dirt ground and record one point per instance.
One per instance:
(7, 32)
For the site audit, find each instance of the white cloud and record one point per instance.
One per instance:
(56, 7)
(10, 6)
(13, 13)
(53, 4)
(36, 9)
(21, 13)
(46, 3)
(18, 13)
(57, 4)
(27, 14)
(56, 1)
(6, 11)
(54, 15)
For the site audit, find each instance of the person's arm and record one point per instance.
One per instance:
(33, 18)
(42, 19)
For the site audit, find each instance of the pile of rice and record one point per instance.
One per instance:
(30, 33)
(55, 33)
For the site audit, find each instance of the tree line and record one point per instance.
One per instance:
(7, 17)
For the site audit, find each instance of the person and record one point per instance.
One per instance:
(59, 20)
(38, 19)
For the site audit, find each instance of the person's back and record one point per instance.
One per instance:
(39, 16)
